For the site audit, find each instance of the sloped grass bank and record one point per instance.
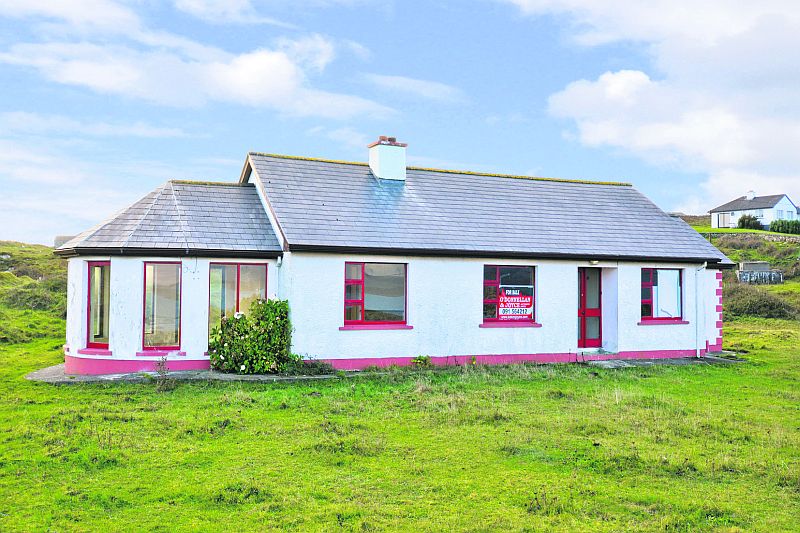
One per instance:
(563, 447)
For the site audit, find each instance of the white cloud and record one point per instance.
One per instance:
(719, 97)
(171, 70)
(314, 51)
(346, 137)
(227, 11)
(36, 123)
(431, 90)
(96, 14)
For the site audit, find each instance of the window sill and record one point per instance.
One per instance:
(159, 353)
(355, 327)
(94, 351)
(520, 324)
(662, 322)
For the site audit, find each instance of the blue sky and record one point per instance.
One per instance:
(103, 100)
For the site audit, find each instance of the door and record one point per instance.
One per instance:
(589, 308)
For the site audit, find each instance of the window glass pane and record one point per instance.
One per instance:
(490, 273)
(666, 294)
(490, 292)
(647, 310)
(221, 294)
(162, 312)
(252, 285)
(352, 312)
(99, 296)
(646, 275)
(352, 292)
(353, 271)
(592, 288)
(489, 310)
(647, 293)
(384, 292)
(516, 275)
(516, 303)
(592, 327)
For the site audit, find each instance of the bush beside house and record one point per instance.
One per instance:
(257, 343)
(749, 222)
(786, 226)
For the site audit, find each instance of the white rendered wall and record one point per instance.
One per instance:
(445, 309)
(126, 301)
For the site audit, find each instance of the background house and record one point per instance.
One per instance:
(765, 208)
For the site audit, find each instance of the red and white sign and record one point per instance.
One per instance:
(516, 303)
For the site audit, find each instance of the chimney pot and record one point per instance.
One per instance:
(387, 158)
(751, 195)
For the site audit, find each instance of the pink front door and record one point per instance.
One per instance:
(589, 308)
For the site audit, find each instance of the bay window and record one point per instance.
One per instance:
(233, 287)
(508, 293)
(661, 294)
(98, 302)
(375, 293)
(162, 306)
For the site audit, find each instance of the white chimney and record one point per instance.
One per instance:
(751, 195)
(387, 158)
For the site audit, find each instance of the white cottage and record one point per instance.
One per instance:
(381, 263)
(767, 209)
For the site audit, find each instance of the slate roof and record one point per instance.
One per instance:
(328, 205)
(743, 204)
(185, 218)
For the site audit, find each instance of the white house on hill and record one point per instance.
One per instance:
(382, 262)
(766, 209)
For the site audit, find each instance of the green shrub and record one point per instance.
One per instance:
(422, 361)
(749, 222)
(786, 226)
(257, 343)
(740, 299)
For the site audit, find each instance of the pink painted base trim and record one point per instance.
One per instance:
(94, 351)
(505, 359)
(159, 353)
(87, 366)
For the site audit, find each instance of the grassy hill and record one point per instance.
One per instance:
(33, 284)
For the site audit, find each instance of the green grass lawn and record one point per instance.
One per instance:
(563, 447)
(709, 229)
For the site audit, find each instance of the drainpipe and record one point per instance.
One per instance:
(697, 309)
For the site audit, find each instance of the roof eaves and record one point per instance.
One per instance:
(722, 262)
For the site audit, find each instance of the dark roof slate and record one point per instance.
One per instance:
(185, 218)
(743, 204)
(332, 205)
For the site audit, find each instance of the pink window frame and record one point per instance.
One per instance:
(239, 276)
(649, 285)
(180, 301)
(91, 265)
(496, 301)
(353, 281)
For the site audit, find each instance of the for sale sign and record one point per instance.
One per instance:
(516, 303)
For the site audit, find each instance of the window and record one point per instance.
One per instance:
(661, 293)
(780, 214)
(98, 301)
(233, 287)
(507, 293)
(375, 293)
(162, 306)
